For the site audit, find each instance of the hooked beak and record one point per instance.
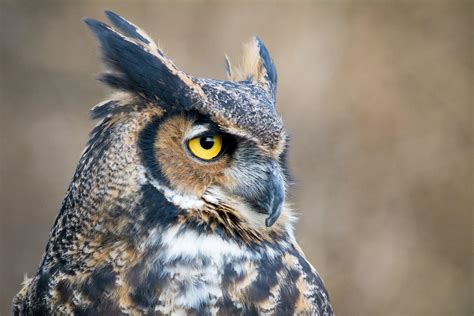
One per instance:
(272, 196)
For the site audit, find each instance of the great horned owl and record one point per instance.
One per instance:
(177, 205)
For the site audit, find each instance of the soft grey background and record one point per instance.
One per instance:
(375, 94)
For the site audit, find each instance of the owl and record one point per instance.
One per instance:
(177, 205)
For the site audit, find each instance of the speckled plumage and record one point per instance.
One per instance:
(145, 229)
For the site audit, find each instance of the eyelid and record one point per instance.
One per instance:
(198, 130)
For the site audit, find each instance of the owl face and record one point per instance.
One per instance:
(196, 157)
(210, 144)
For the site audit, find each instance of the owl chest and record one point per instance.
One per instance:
(189, 285)
(189, 272)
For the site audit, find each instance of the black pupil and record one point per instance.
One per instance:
(207, 142)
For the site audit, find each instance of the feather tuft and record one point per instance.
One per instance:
(256, 65)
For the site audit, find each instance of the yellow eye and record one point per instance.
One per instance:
(206, 147)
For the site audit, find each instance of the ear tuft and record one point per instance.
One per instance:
(129, 29)
(256, 65)
(137, 65)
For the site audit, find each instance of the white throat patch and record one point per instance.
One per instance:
(184, 201)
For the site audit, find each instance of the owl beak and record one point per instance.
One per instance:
(272, 196)
(277, 194)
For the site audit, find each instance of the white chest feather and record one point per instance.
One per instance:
(195, 263)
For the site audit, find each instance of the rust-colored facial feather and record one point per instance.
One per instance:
(183, 172)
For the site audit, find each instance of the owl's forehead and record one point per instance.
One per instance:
(242, 108)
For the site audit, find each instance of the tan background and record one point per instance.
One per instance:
(375, 94)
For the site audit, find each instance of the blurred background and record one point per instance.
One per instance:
(377, 98)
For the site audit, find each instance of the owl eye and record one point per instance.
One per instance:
(206, 147)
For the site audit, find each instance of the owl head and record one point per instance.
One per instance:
(209, 146)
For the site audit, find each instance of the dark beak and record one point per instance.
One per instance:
(272, 196)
